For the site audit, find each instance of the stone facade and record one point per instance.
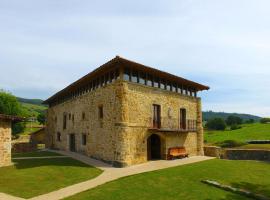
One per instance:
(5, 143)
(121, 135)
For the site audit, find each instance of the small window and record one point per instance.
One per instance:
(127, 74)
(83, 116)
(156, 82)
(100, 112)
(69, 116)
(142, 78)
(174, 87)
(64, 121)
(73, 118)
(168, 86)
(84, 139)
(117, 74)
(149, 80)
(58, 136)
(162, 84)
(134, 77)
(112, 77)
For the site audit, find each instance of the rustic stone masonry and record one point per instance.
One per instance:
(5, 143)
(116, 119)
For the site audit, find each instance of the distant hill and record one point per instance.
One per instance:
(210, 114)
(31, 101)
(32, 107)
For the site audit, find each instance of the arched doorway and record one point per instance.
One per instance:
(153, 147)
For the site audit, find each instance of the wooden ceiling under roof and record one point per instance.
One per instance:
(10, 118)
(118, 62)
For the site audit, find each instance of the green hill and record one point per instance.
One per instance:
(210, 114)
(32, 107)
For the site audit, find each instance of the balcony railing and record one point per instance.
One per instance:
(173, 125)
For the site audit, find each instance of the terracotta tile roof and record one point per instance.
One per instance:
(119, 61)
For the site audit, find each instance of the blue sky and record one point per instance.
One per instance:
(46, 45)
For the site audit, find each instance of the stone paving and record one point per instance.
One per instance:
(110, 173)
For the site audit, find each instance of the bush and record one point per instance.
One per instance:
(216, 124)
(230, 144)
(231, 120)
(250, 121)
(18, 128)
(265, 120)
(235, 127)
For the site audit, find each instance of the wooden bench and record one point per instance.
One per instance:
(177, 152)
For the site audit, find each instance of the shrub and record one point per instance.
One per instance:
(231, 120)
(18, 128)
(250, 121)
(216, 124)
(230, 144)
(235, 127)
(265, 120)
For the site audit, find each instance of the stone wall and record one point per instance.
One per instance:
(247, 154)
(121, 136)
(138, 110)
(101, 133)
(5, 143)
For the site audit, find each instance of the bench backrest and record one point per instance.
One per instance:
(174, 150)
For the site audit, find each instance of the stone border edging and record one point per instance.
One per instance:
(236, 190)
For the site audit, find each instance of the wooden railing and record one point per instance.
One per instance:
(173, 124)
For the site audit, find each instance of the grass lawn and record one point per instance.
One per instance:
(29, 178)
(184, 182)
(255, 131)
(34, 154)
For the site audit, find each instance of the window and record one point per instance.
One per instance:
(183, 118)
(69, 116)
(134, 77)
(112, 77)
(58, 136)
(83, 116)
(84, 139)
(149, 80)
(100, 112)
(174, 87)
(64, 121)
(162, 84)
(127, 74)
(168, 86)
(55, 119)
(73, 118)
(156, 82)
(142, 79)
(156, 116)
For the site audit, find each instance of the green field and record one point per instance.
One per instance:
(255, 131)
(29, 178)
(184, 182)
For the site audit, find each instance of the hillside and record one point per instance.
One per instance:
(31, 101)
(210, 114)
(32, 107)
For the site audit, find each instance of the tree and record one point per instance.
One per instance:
(233, 120)
(216, 124)
(9, 105)
(41, 118)
(250, 121)
(265, 120)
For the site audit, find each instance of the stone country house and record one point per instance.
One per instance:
(5, 138)
(126, 113)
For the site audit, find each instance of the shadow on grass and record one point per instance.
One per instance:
(254, 188)
(32, 163)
